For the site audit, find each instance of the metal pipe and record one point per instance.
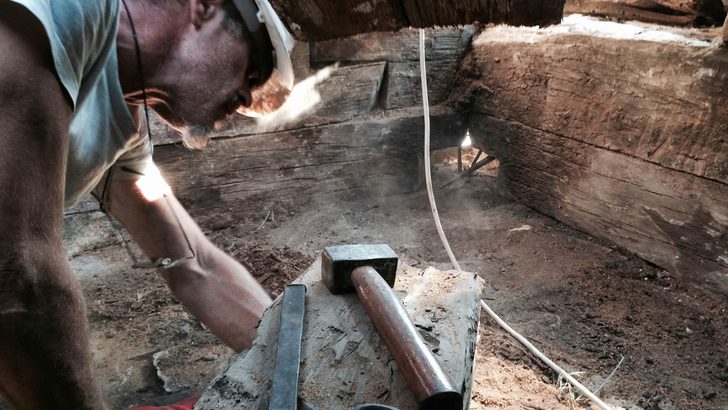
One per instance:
(427, 381)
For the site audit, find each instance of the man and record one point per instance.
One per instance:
(68, 69)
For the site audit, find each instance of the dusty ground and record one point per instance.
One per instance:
(585, 303)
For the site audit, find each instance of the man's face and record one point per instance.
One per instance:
(208, 76)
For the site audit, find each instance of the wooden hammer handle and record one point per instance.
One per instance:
(429, 384)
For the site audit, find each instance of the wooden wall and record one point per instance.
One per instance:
(315, 20)
(668, 12)
(626, 140)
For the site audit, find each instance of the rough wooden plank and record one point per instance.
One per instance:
(344, 361)
(623, 138)
(441, 43)
(444, 50)
(377, 155)
(404, 87)
(662, 98)
(315, 20)
(372, 156)
(674, 219)
(668, 12)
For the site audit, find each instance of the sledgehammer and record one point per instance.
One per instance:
(370, 270)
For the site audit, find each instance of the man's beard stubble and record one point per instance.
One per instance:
(195, 136)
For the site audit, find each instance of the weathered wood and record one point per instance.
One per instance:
(665, 102)
(441, 43)
(676, 220)
(625, 140)
(315, 20)
(668, 12)
(344, 360)
(374, 155)
(404, 83)
(444, 50)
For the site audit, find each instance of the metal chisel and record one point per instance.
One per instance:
(284, 392)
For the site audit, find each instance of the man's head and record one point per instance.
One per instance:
(202, 63)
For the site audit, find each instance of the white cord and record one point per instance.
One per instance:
(580, 387)
(428, 175)
(428, 178)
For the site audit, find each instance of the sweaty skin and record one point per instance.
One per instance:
(196, 72)
(216, 77)
(214, 287)
(44, 358)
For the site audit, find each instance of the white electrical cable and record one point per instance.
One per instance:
(428, 175)
(578, 386)
(428, 178)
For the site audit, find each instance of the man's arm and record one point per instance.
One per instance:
(213, 286)
(44, 354)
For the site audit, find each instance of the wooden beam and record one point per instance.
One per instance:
(444, 50)
(667, 12)
(663, 102)
(314, 20)
(623, 139)
(675, 220)
(373, 155)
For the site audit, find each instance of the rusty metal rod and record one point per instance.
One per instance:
(427, 381)
(475, 160)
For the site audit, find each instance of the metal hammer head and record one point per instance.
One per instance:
(337, 263)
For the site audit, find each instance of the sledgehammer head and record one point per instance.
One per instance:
(337, 263)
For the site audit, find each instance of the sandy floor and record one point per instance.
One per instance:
(586, 303)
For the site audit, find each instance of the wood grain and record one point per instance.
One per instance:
(444, 50)
(625, 140)
(374, 155)
(663, 102)
(667, 12)
(315, 20)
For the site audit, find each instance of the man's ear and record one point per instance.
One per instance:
(203, 10)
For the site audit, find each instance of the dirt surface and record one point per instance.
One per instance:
(585, 303)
